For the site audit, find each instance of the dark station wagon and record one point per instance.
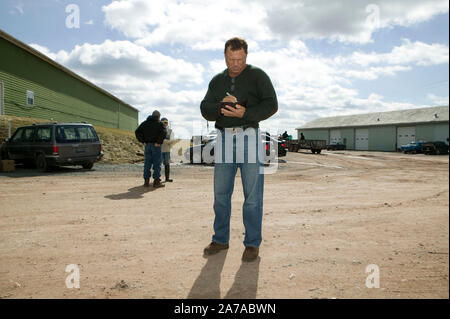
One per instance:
(54, 144)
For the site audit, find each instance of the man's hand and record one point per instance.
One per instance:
(157, 145)
(230, 111)
(229, 98)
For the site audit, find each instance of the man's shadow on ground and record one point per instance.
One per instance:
(207, 284)
(133, 193)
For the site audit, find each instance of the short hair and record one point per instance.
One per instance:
(156, 114)
(236, 44)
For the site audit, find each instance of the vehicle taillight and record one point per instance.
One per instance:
(55, 150)
(283, 145)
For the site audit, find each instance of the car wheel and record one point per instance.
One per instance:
(41, 163)
(438, 152)
(318, 151)
(88, 165)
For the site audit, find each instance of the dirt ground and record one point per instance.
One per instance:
(326, 218)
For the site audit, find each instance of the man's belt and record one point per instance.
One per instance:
(243, 127)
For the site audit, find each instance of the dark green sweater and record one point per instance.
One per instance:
(252, 85)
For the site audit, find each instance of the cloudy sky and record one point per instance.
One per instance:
(325, 58)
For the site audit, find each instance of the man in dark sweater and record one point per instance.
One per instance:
(251, 98)
(152, 133)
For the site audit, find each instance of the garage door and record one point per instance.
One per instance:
(405, 135)
(362, 139)
(335, 136)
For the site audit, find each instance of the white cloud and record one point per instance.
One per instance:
(438, 100)
(19, 7)
(370, 66)
(206, 24)
(347, 20)
(113, 60)
(374, 73)
(415, 53)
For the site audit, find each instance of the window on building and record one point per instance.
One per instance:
(30, 98)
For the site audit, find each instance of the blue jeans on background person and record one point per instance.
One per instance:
(166, 158)
(253, 187)
(153, 160)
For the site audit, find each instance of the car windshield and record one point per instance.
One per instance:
(75, 134)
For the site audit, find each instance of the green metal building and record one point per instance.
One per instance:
(383, 131)
(33, 85)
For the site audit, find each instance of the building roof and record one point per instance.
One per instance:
(45, 58)
(411, 116)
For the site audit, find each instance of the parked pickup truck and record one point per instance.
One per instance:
(316, 146)
(413, 147)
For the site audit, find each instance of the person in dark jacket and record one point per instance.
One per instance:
(152, 133)
(253, 99)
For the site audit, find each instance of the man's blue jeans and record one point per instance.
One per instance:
(166, 158)
(153, 160)
(253, 186)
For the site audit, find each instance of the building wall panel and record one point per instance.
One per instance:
(383, 138)
(348, 138)
(433, 132)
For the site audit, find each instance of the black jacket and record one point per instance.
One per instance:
(151, 131)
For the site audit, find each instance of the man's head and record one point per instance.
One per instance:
(165, 121)
(236, 56)
(156, 114)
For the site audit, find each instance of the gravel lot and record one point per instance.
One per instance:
(326, 218)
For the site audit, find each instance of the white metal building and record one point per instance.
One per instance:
(382, 131)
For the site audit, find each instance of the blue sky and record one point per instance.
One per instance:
(325, 58)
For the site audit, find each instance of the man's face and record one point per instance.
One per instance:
(165, 123)
(236, 61)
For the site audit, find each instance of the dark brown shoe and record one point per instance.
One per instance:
(146, 182)
(250, 253)
(214, 248)
(157, 183)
